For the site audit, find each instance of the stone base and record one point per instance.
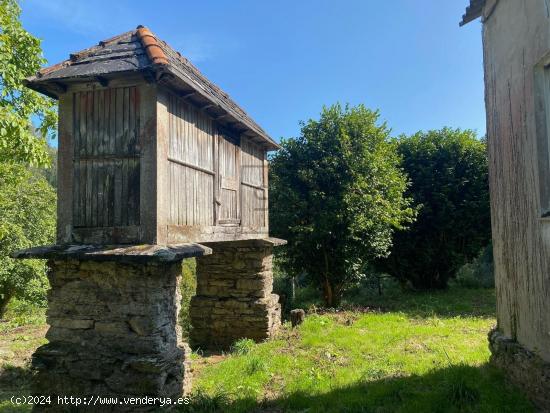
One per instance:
(113, 332)
(234, 295)
(522, 367)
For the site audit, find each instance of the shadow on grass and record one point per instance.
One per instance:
(453, 302)
(459, 388)
(14, 381)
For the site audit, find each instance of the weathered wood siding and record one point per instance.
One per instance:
(254, 193)
(145, 166)
(229, 172)
(516, 38)
(106, 190)
(191, 158)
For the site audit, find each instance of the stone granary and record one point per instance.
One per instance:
(516, 48)
(156, 164)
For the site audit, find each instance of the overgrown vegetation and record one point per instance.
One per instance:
(337, 196)
(27, 218)
(21, 57)
(399, 352)
(27, 200)
(407, 352)
(449, 184)
(480, 272)
(188, 288)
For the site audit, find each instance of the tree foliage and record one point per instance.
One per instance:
(21, 57)
(27, 218)
(337, 196)
(449, 184)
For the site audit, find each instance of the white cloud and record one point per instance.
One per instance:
(101, 19)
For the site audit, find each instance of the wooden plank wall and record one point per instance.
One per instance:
(191, 158)
(513, 49)
(106, 158)
(229, 181)
(252, 185)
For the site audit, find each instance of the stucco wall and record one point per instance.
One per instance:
(516, 38)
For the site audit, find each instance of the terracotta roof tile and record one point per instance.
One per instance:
(149, 42)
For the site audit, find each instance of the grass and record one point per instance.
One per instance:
(21, 332)
(402, 352)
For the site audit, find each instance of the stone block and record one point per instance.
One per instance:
(234, 296)
(113, 331)
(70, 323)
(523, 368)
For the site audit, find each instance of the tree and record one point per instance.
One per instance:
(337, 197)
(27, 218)
(21, 57)
(449, 184)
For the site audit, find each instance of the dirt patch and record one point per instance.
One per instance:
(17, 345)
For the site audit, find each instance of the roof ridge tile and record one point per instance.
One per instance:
(151, 46)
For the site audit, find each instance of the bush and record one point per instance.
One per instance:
(22, 313)
(480, 272)
(27, 219)
(449, 185)
(242, 346)
(337, 197)
(188, 288)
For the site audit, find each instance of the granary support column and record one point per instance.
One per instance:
(113, 316)
(234, 294)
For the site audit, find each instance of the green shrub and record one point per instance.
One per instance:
(242, 346)
(307, 297)
(27, 219)
(201, 402)
(22, 313)
(337, 196)
(479, 273)
(449, 184)
(188, 288)
(255, 364)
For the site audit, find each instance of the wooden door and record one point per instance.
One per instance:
(228, 181)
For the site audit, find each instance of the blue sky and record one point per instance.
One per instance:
(283, 60)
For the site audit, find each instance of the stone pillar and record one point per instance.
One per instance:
(113, 331)
(234, 294)
(113, 326)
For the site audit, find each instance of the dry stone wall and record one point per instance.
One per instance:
(523, 368)
(234, 295)
(113, 331)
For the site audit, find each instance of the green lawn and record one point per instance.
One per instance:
(396, 353)
(418, 353)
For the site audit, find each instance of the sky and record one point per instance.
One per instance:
(283, 60)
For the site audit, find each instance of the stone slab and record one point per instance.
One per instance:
(120, 253)
(260, 242)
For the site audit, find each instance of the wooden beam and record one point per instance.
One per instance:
(149, 76)
(222, 116)
(103, 81)
(58, 87)
(190, 165)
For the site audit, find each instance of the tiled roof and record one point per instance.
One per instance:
(141, 51)
(473, 11)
